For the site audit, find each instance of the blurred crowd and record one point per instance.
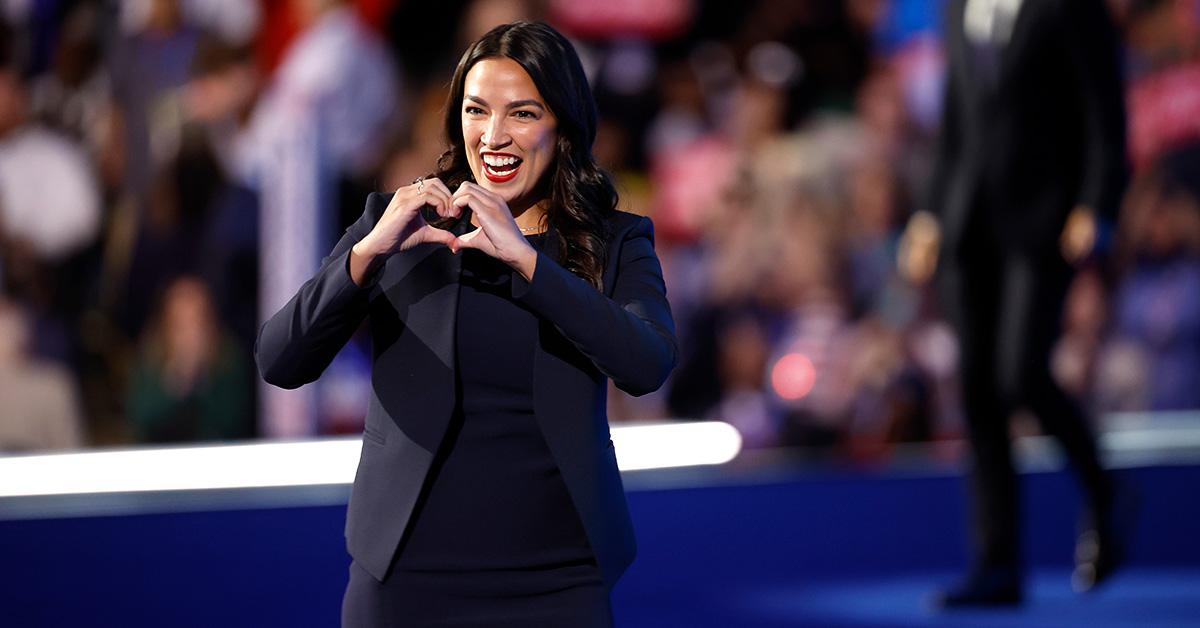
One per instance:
(172, 170)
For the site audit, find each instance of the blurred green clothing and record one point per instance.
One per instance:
(217, 407)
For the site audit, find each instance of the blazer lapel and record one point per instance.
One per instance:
(415, 340)
(1009, 52)
(959, 48)
(1010, 56)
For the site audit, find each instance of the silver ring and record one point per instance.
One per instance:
(420, 184)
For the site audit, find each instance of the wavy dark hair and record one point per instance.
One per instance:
(581, 195)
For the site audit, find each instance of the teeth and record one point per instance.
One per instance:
(498, 173)
(497, 160)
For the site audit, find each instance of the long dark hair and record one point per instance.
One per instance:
(582, 196)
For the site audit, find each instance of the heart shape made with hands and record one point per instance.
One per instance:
(445, 223)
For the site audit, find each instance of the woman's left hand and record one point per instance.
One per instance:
(497, 234)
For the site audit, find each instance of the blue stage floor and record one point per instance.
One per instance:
(774, 547)
(1138, 596)
(867, 549)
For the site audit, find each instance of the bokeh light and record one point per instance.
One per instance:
(793, 376)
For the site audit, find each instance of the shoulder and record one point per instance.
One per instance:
(625, 225)
(631, 240)
(376, 203)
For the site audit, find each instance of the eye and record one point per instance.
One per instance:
(472, 110)
(525, 114)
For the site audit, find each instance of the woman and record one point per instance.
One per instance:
(190, 381)
(487, 493)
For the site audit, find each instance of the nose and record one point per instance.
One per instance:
(495, 136)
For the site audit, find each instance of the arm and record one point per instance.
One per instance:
(921, 241)
(629, 337)
(949, 137)
(296, 345)
(1095, 57)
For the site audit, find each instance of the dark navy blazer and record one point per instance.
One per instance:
(625, 333)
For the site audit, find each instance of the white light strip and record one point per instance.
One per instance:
(309, 463)
(1165, 439)
(181, 468)
(665, 445)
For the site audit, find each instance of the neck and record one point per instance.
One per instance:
(528, 219)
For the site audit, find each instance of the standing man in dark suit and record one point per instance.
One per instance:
(1031, 164)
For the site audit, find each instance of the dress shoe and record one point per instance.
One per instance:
(1097, 556)
(989, 586)
(1098, 550)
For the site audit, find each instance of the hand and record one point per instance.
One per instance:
(917, 256)
(1079, 234)
(498, 234)
(401, 227)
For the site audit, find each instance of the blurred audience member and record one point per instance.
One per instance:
(744, 347)
(191, 381)
(39, 409)
(150, 63)
(1163, 57)
(325, 118)
(75, 95)
(1157, 304)
(48, 195)
(50, 215)
(893, 400)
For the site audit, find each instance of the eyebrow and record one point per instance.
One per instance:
(512, 105)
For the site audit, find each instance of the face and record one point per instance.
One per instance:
(509, 132)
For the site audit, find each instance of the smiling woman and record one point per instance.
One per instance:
(520, 93)
(516, 136)
(487, 492)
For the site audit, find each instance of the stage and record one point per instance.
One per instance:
(780, 543)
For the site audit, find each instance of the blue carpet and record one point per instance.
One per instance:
(1135, 597)
(798, 548)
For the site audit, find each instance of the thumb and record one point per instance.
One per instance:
(435, 236)
(467, 241)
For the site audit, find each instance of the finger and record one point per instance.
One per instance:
(436, 236)
(469, 196)
(401, 199)
(465, 197)
(494, 201)
(484, 192)
(439, 199)
(407, 200)
(437, 183)
(467, 187)
(472, 240)
(436, 189)
(444, 193)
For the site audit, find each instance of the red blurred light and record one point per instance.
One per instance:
(793, 376)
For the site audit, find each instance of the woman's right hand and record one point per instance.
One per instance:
(402, 227)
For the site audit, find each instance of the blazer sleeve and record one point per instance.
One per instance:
(949, 138)
(629, 337)
(1095, 55)
(296, 344)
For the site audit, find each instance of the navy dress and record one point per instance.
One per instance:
(495, 539)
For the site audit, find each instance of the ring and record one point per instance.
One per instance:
(420, 184)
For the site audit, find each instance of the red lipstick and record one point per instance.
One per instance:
(500, 167)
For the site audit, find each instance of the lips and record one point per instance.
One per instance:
(500, 167)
